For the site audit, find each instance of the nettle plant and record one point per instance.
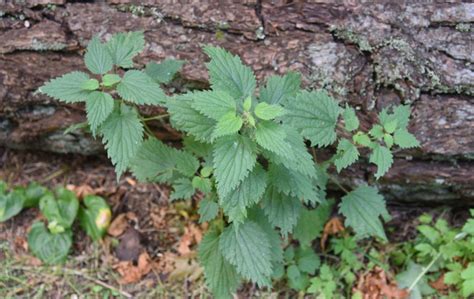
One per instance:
(244, 150)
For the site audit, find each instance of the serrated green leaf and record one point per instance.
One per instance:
(257, 215)
(383, 158)
(362, 139)
(110, 79)
(311, 223)
(122, 135)
(290, 182)
(377, 131)
(196, 147)
(202, 184)
(351, 121)
(99, 105)
(227, 73)
(398, 119)
(213, 104)
(347, 154)
(188, 119)
(137, 87)
(248, 248)
(227, 125)
(67, 88)
(95, 216)
(97, 58)
(297, 280)
(208, 210)
(186, 163)
(404, 139)
(221, 277)
(11, 204)
(362, 209)
(60, 210)
(315, 115)
(268, 112)
(281, 88)
(282, 210)
(468, 284)
(49, 248)
(154, 161)
(307, 260)
(90, 85)
(390, 126)
(247, 104)
(234, 157)
(206, 171)
(182, 189)
(124, 46)
(271, 137)
(247, 193)
(164, 71)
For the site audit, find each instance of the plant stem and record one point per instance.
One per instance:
(412, 286)
(161, 116)
(338, 184)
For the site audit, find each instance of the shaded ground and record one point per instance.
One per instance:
(156, 227)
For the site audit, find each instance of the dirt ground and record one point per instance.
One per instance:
(152, 253)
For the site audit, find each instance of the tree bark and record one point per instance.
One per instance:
(370, 55)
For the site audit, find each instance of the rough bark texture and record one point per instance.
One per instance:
(371, 55)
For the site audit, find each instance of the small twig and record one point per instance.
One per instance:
(161, 116)
(338, 184)
(420, 276)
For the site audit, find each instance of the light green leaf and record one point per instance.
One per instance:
(363, 208)
(468, 284)
(311, 223)
(347, 154)
(377, 131)
(67, 88)
(279, 90)
(315, 115)
(110, 79)
(234, 157)
(406, 278)
(188, 119)
(362, 139)
(122, 135)
(186, 163)
(221, 277)
(208, 210)
(268, 112)
(383, 158)
(97, 58)
(404, 139)
(247, 104)
(307, 260)
(49, 248)
(248, 248)
(398, 119)
(62, 209)
(11, 204)
(99, 105)
(227, 73)
(213, 104)
(33, 194)
(183, 189)
(247, 193)
(228, 124)
(282, 210)
(138, 88)
(271, 137)
(124, 46)
(202, 184)
(164, 71)
(351, 121)
(388, 140)
(90, 85)
(95, 216)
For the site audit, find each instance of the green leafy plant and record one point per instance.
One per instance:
(244, 150)
(441, 250)
(52, 242)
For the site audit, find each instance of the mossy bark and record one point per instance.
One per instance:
(371, 55)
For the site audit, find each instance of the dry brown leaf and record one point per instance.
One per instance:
(82, 190)
(332, 227)
(185, 268)
(192, 235)
(132, 274)
(439, 284)
(131, 182)
(375, 284)
(120, 224)
(166, 263)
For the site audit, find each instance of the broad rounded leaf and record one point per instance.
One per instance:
(49, 248)
(11, 204)
(95, 216)
(60, 210)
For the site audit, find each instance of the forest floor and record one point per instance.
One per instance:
(150, 251)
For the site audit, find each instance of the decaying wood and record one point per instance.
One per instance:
(371, 55)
